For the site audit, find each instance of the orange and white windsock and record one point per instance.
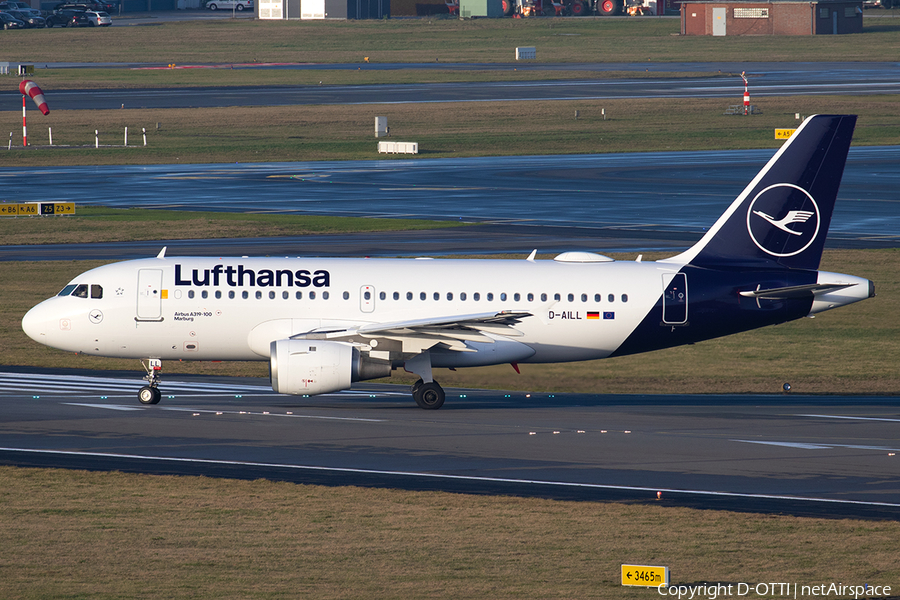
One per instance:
(30, 88)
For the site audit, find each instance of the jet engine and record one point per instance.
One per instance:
(318, 367)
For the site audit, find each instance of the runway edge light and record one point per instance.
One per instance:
(645, 576)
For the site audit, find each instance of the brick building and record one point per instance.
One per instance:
(785, 17)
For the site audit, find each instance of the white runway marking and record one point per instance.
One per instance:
(537, 482)
(819, 446)
(851, 418)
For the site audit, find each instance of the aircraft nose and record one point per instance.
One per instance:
(35, 322)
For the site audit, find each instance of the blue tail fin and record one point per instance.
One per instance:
(782, 216)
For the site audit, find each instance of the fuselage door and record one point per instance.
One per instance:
(149, 300)
(675, 299)
(367, 298)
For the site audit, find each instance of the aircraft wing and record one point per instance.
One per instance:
(417, 335)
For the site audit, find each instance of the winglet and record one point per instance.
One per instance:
(162, 253)
(532, 255)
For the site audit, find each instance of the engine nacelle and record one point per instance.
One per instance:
(318, 367)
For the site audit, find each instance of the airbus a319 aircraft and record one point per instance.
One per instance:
(325, 323)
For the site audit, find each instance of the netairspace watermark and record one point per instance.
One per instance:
(711, 591)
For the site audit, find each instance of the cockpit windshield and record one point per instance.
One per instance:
(81, 290)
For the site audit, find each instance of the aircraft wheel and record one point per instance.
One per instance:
(416, 386)
(149, 395)
(429, 396)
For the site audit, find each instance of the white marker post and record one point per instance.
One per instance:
(126, 137)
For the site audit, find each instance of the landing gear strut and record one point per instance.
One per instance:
(429, 396)
(150, 394)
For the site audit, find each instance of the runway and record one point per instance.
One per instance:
(652, 194)
(805, 455)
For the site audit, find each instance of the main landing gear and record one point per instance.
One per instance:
(150, 394)
(429, 396)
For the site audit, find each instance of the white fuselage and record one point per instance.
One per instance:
(231, 309)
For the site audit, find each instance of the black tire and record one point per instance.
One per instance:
(211, 6)
(49, 24)
(240, 7)
(91, 24)
(430, 396)
(416, 386)
(579, 8)
(149, 395)
(508, 6)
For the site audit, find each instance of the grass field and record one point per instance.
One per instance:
(74, 535)
(438, 39)
(309, 133)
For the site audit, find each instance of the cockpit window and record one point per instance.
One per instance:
(96, 291)
(67, 290)
(81, 291)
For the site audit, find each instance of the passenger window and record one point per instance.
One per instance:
(571, 297)
(367, 295)
(503, 296)
(382, 296)
(396, 295)
(543, 297)
(190, 293)
(285, 295)
(218, 294)
(409, 295)
(231, 295)
(462, 295)
(245, 294)
(312, 295)
(204, 294)
(611, 298)
(530, 297)
(517, 297)
(557, 297)
(324, 295)
(584, 297)
(437, 295)
(271, 295)
(81, 291)
(422, 295)
(449, 295)
(299, 295)
(597, 297)
(490, 296)
(346, 295)
(96, 291)
(258, 295)
(66, 290)
(476, 296)
(624, 297)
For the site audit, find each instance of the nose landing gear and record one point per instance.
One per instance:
(150, 394)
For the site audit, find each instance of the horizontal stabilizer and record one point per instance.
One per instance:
(796, 291)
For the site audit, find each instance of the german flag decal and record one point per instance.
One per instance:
(593, 315)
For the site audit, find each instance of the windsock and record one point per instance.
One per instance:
(30, 88)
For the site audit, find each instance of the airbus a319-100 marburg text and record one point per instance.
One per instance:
(326, 323)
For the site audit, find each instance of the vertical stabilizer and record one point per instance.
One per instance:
(782, 216)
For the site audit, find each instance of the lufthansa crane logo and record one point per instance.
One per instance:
(783, 220)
